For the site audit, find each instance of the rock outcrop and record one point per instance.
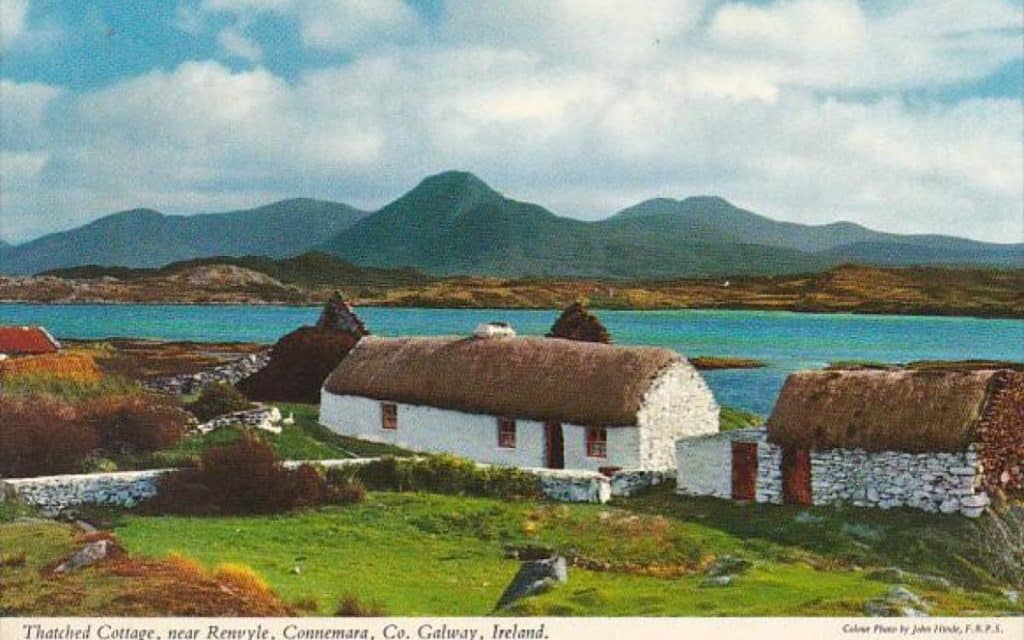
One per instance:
(576, 323)
(301, 360)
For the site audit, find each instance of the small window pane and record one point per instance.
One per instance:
(506, 433)
(388, 416)
(597, 443)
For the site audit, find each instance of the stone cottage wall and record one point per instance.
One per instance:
(934, 482)
(678, 404)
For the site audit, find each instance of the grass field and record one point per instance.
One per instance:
(425, 554)
(429, 554)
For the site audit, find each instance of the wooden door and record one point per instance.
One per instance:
(796, 476)
(744, 470)
(554, 446)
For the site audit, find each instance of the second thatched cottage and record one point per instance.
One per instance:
(937, 438)
(520, 401)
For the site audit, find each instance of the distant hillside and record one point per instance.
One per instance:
(147, 238)
(453, 223)
(311, 269)
(311, 278)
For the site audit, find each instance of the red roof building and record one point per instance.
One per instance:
(22, 341)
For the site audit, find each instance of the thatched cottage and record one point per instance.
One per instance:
(933, 439)
(520, 401)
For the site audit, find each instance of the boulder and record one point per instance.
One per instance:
(534, 577)
(88, 555)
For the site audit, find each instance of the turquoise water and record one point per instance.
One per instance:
(786, 341)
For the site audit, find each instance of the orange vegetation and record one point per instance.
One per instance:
(79, 367)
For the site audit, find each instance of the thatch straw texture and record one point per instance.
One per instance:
(530, 378)
(880, 410)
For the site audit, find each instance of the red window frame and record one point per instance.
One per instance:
(506, 433)
(597, 442)
(389, 416)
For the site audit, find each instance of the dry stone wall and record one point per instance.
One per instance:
(54, 494)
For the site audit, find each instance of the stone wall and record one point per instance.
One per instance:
(54, 494)
(230, 373)
(263, 418)
(935, 482)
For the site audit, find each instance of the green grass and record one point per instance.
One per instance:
(730, 419)
(423, 554)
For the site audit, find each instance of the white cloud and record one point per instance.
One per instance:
(334, 25)
(13, 15)
(582, 110)
(345, 25)
(590, 30)
(236, 44)
(19, 30)
(833, 45)
(801, 27)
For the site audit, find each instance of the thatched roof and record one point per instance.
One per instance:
(531, 378)
(877, 410)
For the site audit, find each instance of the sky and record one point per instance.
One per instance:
(902, 115)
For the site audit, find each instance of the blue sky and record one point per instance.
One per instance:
(901, 115)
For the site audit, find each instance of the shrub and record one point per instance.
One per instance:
(136, 423)
(217, 399)
(182, 492)
(239, 478)
(96, 464)
(239, 577)
(352, 607)
(447, 474)
(307, 486)
(245, 477)
(386, 474)
(346, 490)
(42, 436)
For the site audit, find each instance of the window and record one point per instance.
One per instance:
(597, 442)
(388, 416)
(506, 433)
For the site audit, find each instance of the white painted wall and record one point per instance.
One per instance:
(705, 466)
(473, 436)
(677, 405)
(623, 448)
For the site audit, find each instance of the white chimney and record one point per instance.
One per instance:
(494, 330)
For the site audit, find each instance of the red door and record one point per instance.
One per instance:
(554, 446)
(744, 470)
(796, 476)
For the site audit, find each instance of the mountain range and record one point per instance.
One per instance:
(148, 238)
(454, 223)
